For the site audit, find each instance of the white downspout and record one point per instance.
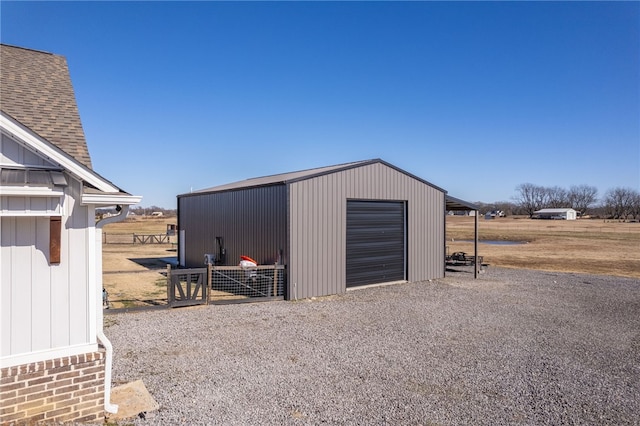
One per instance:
(108, 406)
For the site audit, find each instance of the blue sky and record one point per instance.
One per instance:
(475, 97)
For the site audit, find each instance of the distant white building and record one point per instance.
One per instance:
(561, 214)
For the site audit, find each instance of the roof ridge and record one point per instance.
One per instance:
(29, 49)
(349, 163)
(37, 91)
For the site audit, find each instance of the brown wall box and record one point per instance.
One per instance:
(55, 232)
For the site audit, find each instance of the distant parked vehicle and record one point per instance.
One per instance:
(493, 214)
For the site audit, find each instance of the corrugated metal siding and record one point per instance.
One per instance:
(252, 222)
(317, 259)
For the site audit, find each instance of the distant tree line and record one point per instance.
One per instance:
(617, 203)
(148, 211)
(140, 211)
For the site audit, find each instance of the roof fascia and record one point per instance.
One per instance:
(362, 164)
(44, 147)
(465, 204)
(281, 180)
(220, 191)
(412, 175)
(347, 166)
(30, 191)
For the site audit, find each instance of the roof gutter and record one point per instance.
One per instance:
(108, 406)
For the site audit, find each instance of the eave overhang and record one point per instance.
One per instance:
(43, 147)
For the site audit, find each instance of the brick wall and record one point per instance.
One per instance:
(60, 390)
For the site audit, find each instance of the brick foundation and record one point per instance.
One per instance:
(68, 389)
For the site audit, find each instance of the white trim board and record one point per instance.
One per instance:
(30, 357)
(30, 191)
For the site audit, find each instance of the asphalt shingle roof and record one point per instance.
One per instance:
(36, 90)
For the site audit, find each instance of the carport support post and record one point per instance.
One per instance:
(169, 287)
(475, 247)
(209, 279)
(275, 280)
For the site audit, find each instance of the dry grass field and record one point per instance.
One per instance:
(584, 246)
(133, 273)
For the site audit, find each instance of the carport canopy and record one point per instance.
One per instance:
(456, 204)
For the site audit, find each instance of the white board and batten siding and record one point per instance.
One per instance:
(317, 236)
(46, 202)
(13, 153)
(45, 309)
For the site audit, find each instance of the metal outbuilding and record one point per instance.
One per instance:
(333, 227)
(563, 213)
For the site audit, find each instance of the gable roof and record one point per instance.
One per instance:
(96, 189)
(280, 178)
(38, 109)
(552, 211)
(36, 91)
(290, 177)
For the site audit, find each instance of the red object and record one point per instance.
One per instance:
(248, 259)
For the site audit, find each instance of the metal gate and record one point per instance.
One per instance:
(224, 284)
(376, 242)
(187, 287)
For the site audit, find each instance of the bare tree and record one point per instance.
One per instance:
(556, 197)
(635, 205)
(530, 197)
(582, 197)
(619, 202)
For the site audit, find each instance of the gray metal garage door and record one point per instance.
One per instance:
(375, 242)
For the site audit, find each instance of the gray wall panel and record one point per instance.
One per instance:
(318, 217)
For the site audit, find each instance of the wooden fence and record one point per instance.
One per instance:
(113, 238)
(151, 239)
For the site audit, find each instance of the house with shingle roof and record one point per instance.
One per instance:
(55, 360)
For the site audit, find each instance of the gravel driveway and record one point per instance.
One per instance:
(513, 347)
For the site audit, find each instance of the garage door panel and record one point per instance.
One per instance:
(375, 242)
